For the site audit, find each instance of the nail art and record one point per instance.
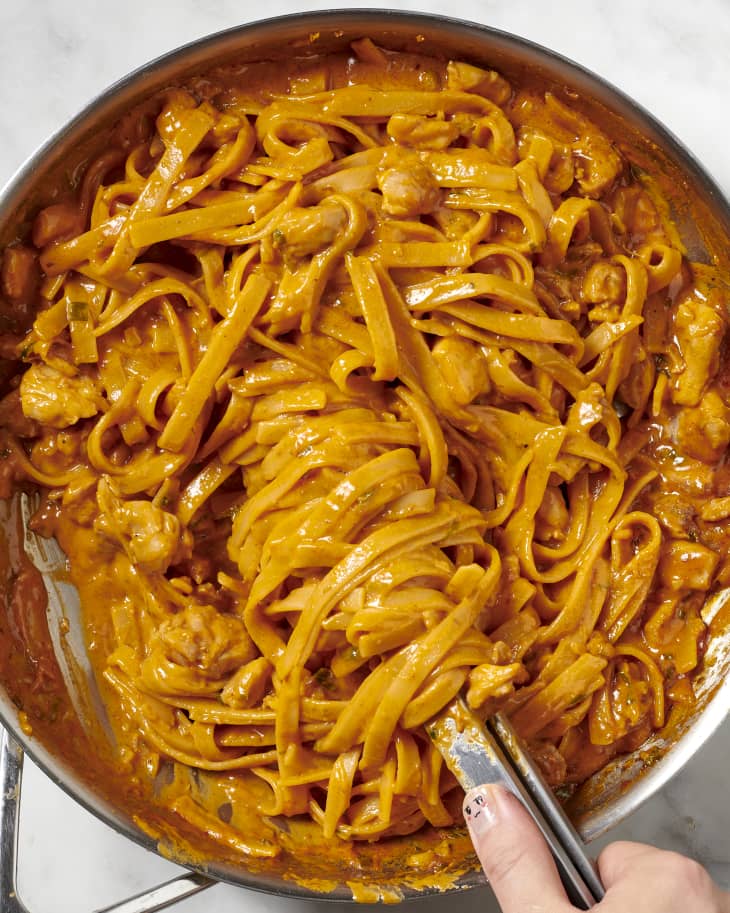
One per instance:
(479, 809)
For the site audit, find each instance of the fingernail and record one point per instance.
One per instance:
(479, 809)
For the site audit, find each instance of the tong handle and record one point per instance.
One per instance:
(523, 778)
(479, 754)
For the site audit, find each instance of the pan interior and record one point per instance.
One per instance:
(61, 745)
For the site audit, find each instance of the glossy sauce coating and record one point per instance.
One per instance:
(352, 387)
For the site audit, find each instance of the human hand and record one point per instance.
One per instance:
(521, 871)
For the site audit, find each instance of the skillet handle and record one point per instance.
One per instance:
(11, 776)
(164, 895)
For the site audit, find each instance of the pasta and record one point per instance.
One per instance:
(353, 388)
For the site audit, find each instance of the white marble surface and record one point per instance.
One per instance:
(55, 55)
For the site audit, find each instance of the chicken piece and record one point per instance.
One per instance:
(200, 636)
(675, 513)
(716, 509)
(489, 681)
(550, 761)
(687, 565)
(151, 537)
(605, 285)
(247, 686)
(58, 222)
(419, 132)
(703, 431)
(463, 367)
(304, 231)
(699, 330)
(597, 164)
(408, 189)
(19, 274)
(464, 77)
(56, 399)
(636, 212)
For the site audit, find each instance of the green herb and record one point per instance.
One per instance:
(26, 351)
(78, 311)
(433, 732)
(325, 679)
(278, 238)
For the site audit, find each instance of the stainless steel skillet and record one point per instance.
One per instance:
(619, 789)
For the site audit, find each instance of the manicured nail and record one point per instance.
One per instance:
(479, 809)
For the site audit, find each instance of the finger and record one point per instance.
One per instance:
(515, 857)
(675, 883)
(622, 858)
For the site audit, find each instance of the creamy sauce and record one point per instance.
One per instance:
(198, 814)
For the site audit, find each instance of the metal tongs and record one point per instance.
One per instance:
(492, 753)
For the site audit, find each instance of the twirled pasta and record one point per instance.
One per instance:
(351, 394)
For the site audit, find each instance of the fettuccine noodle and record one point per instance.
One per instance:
(357, 391)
